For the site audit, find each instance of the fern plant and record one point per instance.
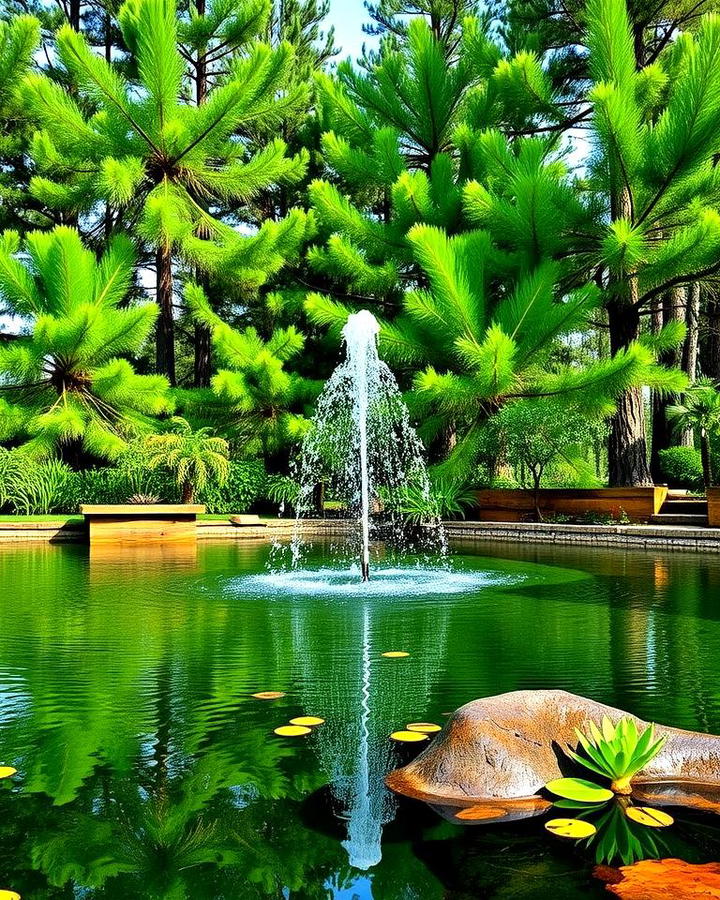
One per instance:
(193, 456)
(617, 752)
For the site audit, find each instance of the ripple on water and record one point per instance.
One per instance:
(397, 582)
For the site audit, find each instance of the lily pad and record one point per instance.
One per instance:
(424, 727)
(7, 772)
(645, 815)
(575, 829)
(292, 730)
(307, 720)
(579, 789)
(408, 736)
(577, 804)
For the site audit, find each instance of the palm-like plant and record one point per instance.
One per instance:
(67, 384)
(482, 349)
(256, 400)
(155, 160)
(192, 456)
(699, 412)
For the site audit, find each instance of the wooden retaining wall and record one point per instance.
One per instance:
(713, 498)
(507, 505)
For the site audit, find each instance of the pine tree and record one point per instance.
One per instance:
(67, 386)
(18, 40)
(257, 401)
(656, 134)
(479, 348)
(157, 161)
(391, 19)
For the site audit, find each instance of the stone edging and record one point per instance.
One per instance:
(633, 536)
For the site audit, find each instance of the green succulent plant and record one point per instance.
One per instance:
(617, 752)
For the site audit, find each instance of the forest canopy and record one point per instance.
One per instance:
(195, 196)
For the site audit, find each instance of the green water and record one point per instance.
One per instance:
(146, 770)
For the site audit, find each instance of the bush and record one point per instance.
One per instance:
(30, 487)
(245, 483)
(682, 467)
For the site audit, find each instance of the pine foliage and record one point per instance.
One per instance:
(68, 383)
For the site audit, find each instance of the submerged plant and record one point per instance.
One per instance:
(618, 752)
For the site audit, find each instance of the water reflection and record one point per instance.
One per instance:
(147, 770)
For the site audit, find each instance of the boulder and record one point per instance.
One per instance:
(658, 879)
(506, 748)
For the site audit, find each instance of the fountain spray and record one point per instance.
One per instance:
(361, 444)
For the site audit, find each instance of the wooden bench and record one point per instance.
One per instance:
(135, 523)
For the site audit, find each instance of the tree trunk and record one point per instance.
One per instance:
(203, 345)
(691, 349)
(671, 308)
(74, 14)
(627, 446)
(203, 355)
(710, 355)
(692, 339)
(188, 492)
(165, 328)
(319, 500)
(706, 459)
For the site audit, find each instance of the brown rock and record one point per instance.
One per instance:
(509, 746)
(659, 879)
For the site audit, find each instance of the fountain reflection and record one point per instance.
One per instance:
(363, 701)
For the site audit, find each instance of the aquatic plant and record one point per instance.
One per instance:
(618, 752)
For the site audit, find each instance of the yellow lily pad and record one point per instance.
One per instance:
(9, 895)
(408, 736)
(307, 720)
(395, 654)
(575, 829)
(653, 818)
(7, 772)
(269, 695)
(424, 727)
(292, 730)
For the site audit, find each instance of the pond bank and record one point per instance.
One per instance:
(685, 538)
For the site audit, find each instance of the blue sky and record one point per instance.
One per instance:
(348, 16)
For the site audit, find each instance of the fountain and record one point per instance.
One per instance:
(362, 446)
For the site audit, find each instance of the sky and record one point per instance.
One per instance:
(348, 16)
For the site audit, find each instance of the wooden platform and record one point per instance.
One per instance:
(638, 504)
(135, 523)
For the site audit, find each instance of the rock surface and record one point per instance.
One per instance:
(509, 746)
(659, 879)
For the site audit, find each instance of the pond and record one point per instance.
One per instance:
(148, 770)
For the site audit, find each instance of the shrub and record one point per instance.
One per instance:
(244, 485)
(682, 467)
(30, 487)
(283, 490)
